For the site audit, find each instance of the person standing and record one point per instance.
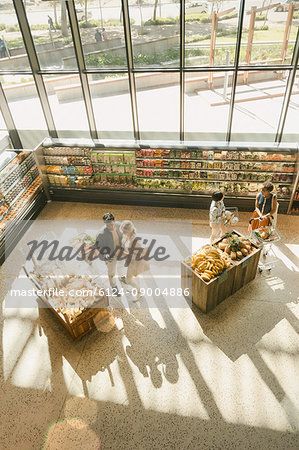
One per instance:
(136, 266)
(3, 51)
(217, 211)
(104, 34)
(265, 207)
(98, 36)
(108, 243)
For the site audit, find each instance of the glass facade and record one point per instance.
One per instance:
(67, 104)
(158, 104)
(110, 95)
(151, 70)
(207, 108)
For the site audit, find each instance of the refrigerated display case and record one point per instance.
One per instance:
(165, 174)
(21, 196)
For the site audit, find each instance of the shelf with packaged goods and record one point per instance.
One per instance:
(213, 170)
(11, 204)
(94, 187)
(257, 163)
(17, 167)
(22, 184)
(210, 180)
(16, 226)
(109, 164)
(20, 177)
(287, 161)
(65, 163)
(22, 192)
(20, 208)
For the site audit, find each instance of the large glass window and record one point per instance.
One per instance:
(51, 34)
(268, 34)
(102, 33)
(268, 38)
(291, 129)
(67, 105)
(112, 105)
(210, 33)
(23, 101)
(258, 105)
(207, 97)
(12, 50)
(25, 107)
(155, 33)
(158, 101)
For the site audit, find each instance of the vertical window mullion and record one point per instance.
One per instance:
(81, 67)
(130, 63)
(182, 73)
(235, 76)
(34, 64)
(288, 92)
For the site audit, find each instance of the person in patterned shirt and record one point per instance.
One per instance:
(217, 211)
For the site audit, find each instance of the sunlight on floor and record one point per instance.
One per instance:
(275, 283)
(286, 261)
(294, 248)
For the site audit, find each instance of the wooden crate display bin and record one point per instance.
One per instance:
(246, 269)
(207, 295)
(82, 324)
(89, 320)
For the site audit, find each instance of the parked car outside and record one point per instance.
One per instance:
(197, 8)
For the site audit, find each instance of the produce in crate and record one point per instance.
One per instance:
(237, 247)
(209, 262)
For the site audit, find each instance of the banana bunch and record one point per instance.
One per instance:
(209, 262)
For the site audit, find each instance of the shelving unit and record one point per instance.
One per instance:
(21, 197)
(167, 174)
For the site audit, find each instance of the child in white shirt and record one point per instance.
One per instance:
(217, 212)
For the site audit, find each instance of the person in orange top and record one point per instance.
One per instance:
(265, 207)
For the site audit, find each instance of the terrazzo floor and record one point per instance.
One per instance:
(165, 377)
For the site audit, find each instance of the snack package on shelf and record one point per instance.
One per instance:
(65, 151)
(56, 160)
(129, 158)
(69, 180)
